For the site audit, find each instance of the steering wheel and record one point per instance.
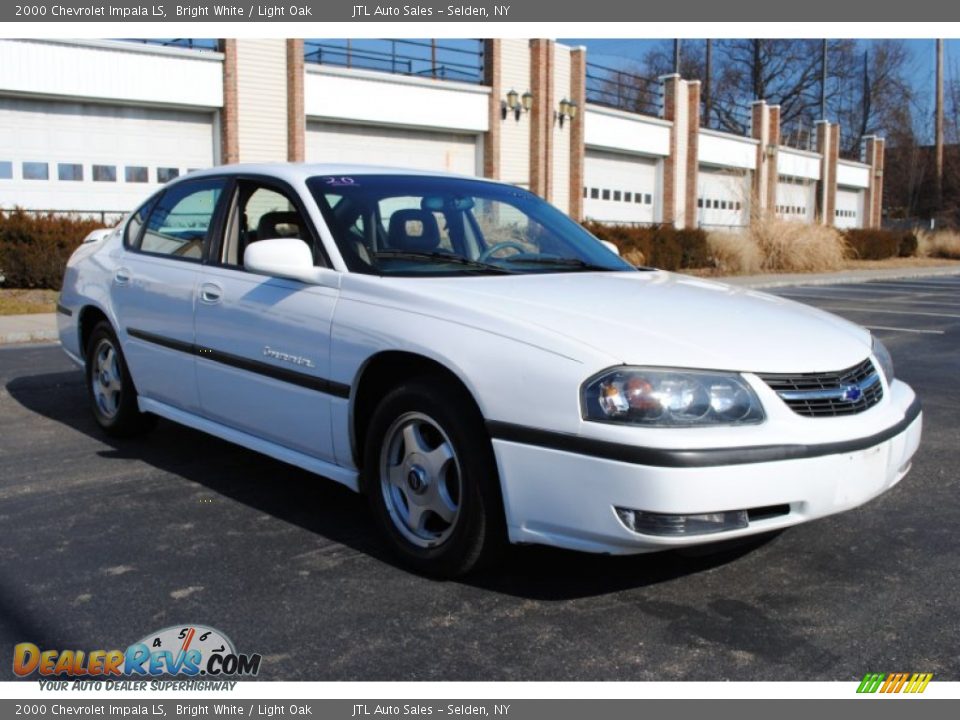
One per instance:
(488, 253)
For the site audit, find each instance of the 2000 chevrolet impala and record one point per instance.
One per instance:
(478, 365)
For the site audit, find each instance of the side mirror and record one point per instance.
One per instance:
(289, 258)
(611, 247)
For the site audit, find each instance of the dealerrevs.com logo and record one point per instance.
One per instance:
(184, 650)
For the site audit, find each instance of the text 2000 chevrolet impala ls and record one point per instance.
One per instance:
(478, 365)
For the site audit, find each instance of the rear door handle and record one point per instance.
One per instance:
(210, 293)
(122, 276)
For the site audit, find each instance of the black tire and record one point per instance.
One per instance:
(115, 410)
(441, 548)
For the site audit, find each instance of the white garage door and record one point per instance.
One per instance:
(400, 147)
(796, 198)
(88, 157)
(723, 197)
(849, 213)
(620, 188)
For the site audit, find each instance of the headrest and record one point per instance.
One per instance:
(413, 229)
(281, 224)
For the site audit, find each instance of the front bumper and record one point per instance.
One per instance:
(565, 498)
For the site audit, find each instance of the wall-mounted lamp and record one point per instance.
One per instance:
(878, 173)
(568, 109)
(516, 104)
(771, 151)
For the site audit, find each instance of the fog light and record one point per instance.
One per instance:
(649, 523)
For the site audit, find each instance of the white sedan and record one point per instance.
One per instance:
(478, 365)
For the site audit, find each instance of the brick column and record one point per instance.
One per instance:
(296, 115)
(578, 93)
(671, 173)
(541, 118)
(492, 72)
(229, 136)
(828, 146)
(692, 170)
(873, 197)
(772, 154)
(760, 131)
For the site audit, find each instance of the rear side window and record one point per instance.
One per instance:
(180, 220)
(136, 222)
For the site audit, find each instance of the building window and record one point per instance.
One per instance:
(136, 174)
(6, 170)
(738, 204)
(104, 173)
(594, 193)
(36, 171)
(616, 195)
(586, 192)
(699, 202)
(165, 175)
(638, 197)
(628, 197)
(606, 194)
(648, 199)
(70, 171)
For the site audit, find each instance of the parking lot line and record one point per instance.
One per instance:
(811, 296)
(906, 330)
(889, 312)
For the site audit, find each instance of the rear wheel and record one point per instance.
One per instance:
(431, 478)
(113, 397)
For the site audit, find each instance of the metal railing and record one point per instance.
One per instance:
(799, 135)
(188, 43)
(731, 117)
(623, 90)
(459, 60)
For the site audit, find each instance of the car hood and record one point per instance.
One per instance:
(650, 318)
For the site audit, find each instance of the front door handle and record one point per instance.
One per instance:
(122, 276)
(210, 293)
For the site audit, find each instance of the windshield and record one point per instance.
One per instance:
(421, 225)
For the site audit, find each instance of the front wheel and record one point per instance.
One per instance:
(431, 478)
(113, 397)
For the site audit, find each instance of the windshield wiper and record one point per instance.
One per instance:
(575, 263)
(439, 257)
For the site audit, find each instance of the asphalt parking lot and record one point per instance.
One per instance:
(105, 541)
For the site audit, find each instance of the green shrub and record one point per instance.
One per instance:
(660, 247)
(34, 249)
(876, 244)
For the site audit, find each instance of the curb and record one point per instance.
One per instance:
(848, 277)
(34, 336)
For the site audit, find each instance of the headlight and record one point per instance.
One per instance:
(882, 355)
(669, 398)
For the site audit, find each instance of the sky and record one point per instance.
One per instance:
(630, 52)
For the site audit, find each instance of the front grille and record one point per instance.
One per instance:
(845, 392)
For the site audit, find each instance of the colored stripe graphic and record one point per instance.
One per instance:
(894, 682)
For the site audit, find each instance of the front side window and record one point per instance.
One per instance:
(180, 220)
(421, 225)
(6, 170)
(262, 212)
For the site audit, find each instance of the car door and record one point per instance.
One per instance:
(264, 343)
(154, 289)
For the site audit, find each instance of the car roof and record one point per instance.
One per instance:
(298, 172)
